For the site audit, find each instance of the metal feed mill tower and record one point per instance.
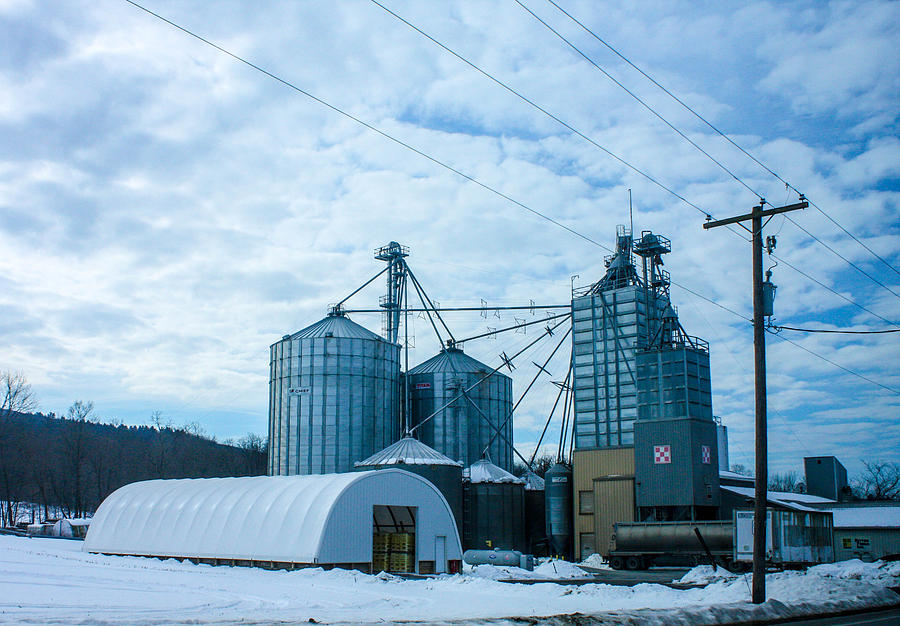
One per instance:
(645, 440)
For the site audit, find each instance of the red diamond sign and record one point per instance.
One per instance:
(662, 454)
(706, 454)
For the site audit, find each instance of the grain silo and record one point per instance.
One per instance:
(535, 514)
(476, 404)
(333, 397)
(414, 456)
(493, 508)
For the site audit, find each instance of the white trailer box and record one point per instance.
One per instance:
(795, 537)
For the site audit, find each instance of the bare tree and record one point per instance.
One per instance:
(879, 480)
(17, 394)
(161, 449)
(17, 397)
(743, 470)
(789, 482)
(76, 449)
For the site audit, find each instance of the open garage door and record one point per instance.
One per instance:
(394, 539)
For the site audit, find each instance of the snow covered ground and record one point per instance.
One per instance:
(52, 581)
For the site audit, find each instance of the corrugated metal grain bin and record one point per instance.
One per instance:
(462, 431)
(535, 515)
(493, 508)
(333, 397)
(558, 508)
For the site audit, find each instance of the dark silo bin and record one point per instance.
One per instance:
(493, 508)
(558, 494)
(535, 515)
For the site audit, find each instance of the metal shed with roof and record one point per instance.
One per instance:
(389, 520)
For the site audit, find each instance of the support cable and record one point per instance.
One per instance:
(361, 287)
(428, 313)
(516, 327)
(486, 376)
(433, 308)
(497, 430)
(562, 388)
(541, 370)
(566, 416)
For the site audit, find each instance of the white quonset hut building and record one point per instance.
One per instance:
(391, 518)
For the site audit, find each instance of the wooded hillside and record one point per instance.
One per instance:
(70, 464)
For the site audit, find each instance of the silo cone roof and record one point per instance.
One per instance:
(484, 471)
(336, 326)
(452, 360)
(408, 451)
(533, 482)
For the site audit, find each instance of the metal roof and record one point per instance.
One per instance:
(533, 482)
(484, 471)
(336, 326)
(796, 501)
(408, 451)
(265, 518)
(452, 360)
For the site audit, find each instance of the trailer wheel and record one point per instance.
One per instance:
(633, 562)
(616, 562)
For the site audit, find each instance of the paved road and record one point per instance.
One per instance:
(890, 617)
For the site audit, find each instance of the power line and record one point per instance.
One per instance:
(686, 138)
(720, 133)
(843, 258)
(827, 360)
(837, 293)
(836, 332)
(444, 165)
(639, 100)
(566, 125)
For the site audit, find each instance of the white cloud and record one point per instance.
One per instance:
(169, 212)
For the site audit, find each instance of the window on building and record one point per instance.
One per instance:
(586, 502)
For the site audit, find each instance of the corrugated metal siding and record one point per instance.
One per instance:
(686, 480)
(867, 544)
(613, 502)
(350, 405)
(591, 464)
(606, 328)
(459, 431)
(494, 516)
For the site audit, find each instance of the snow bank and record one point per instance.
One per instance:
(595, 561)
(560, 569)
(705, 574)
(47, 581)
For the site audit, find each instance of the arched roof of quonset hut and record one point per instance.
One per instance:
(323, 518)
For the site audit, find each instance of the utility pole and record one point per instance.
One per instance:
(759, 352)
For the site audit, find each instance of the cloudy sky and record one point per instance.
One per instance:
(167, 212)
